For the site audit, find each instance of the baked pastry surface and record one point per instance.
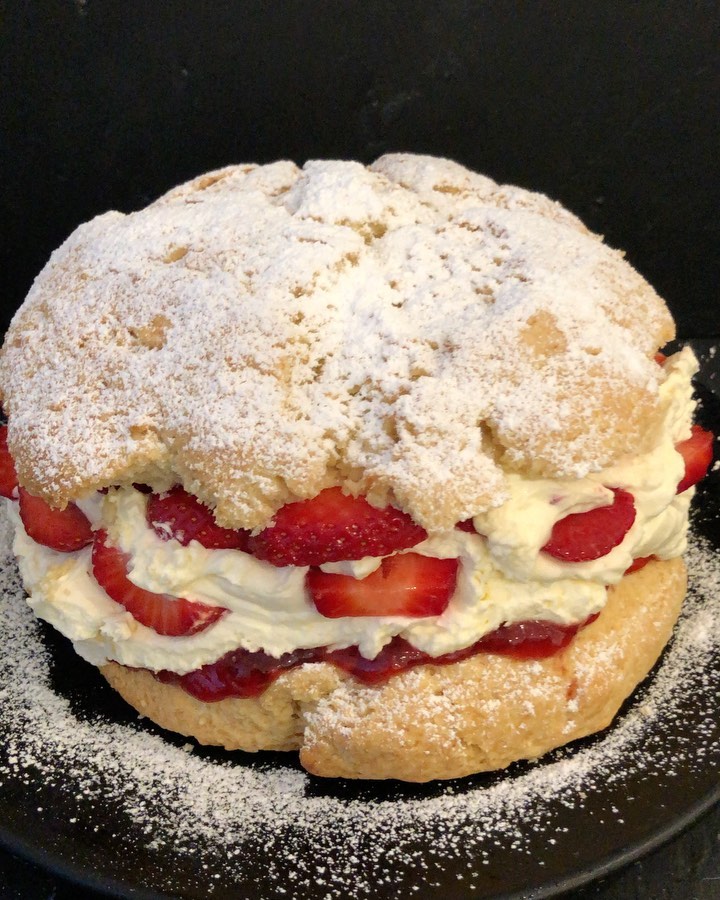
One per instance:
(409, 330)
(433, 722)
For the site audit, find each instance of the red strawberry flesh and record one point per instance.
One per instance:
(242, 673)
(697, 451)
(8, 475)
(407, 584)
(638, 564)
(589, 535)
(332, 527)
(466, 525)
(65, 530)
(239, 673)
(178, 514)
(166, 615)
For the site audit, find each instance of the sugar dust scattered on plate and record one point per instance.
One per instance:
(180, 802)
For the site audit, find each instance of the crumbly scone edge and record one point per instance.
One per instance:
(438, 722)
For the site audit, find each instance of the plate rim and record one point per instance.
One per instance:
(79, 875)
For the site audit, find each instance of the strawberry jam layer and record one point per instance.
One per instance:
(241, 673)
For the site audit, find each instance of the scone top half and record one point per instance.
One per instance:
(410, 331)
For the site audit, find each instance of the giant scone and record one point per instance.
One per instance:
(378, 463)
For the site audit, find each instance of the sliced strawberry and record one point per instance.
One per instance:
(8, 475)
(405, 585)
(531, 639)
(638, 564)
(239, 673)
(166, 615)
(697, 451)
(589, 535)
(332, 527)
(466, 525)
(61, 529)
(177, 514)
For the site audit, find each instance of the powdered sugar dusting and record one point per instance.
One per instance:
(408, 330)
(336, 842)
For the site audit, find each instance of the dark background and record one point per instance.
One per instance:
(610, 107)
(687, 869)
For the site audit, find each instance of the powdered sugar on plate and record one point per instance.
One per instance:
(205, 824)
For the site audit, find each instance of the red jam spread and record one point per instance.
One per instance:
(243, 674)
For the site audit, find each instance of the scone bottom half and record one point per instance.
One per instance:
(333, 604)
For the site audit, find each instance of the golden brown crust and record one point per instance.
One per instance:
(439, 721)
(409, 330)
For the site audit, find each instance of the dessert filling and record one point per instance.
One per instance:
(148, 579)
(244, 674)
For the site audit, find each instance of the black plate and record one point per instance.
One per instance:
(112, 803)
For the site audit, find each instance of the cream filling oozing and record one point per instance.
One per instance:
(503, 576)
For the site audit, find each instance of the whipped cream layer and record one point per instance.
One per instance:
(503, 577)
